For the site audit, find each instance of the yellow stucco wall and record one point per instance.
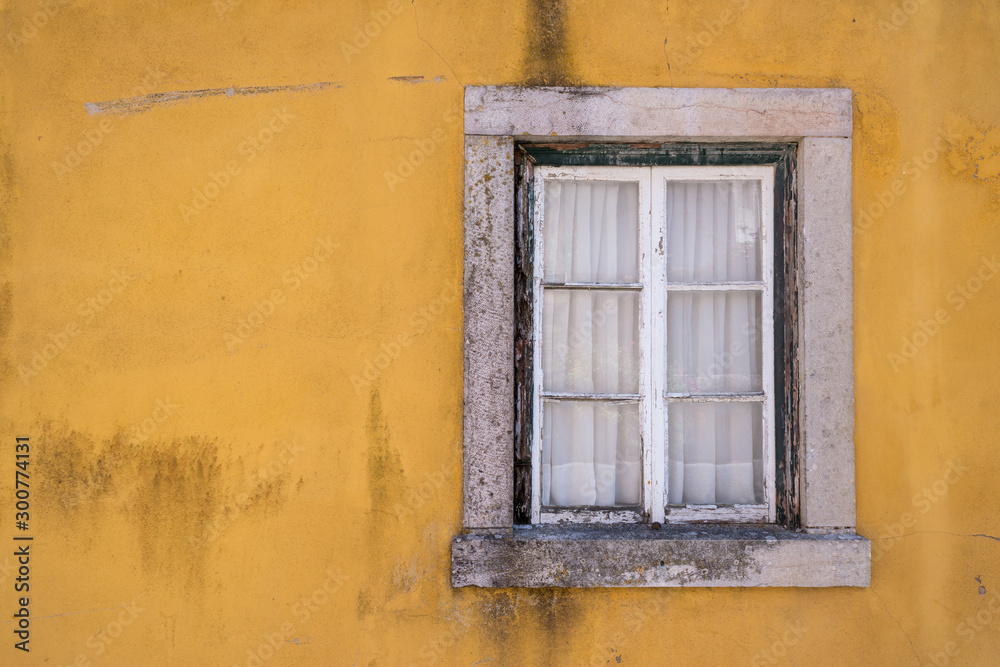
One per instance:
(181, 355)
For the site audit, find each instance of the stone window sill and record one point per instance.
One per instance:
(675, 555)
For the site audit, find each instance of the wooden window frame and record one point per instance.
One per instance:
(644, 398)
(769, 163)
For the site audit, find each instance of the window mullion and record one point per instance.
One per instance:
(537, 411)
(656, 280)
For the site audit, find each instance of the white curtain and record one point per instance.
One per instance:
(591, 452)
(590, 449)
(713, 343)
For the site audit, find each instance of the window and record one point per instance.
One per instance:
(652, 303)
(658, 339)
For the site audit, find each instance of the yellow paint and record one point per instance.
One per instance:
(174, 515)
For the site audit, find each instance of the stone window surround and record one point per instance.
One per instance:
(491, 552)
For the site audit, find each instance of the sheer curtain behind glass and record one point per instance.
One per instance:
(713, 343)
(590, 344)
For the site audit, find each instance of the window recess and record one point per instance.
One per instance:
(651, 352)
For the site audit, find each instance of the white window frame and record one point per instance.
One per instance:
(764, 513)
(655, 290)
(825, 550)
(625, 175)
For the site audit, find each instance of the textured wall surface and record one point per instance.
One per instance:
(231, 325)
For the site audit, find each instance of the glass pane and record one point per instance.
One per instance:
(591, 454)
(715, 453)
(590, 341)
(714, 342)
(713, 231)
(591, 231)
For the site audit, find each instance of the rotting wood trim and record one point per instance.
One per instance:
(524, 258)
(651, 154)
(786, 315)
(783, 157)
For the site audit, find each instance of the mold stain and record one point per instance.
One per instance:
(386, 488)
(8, 183)
(6, 315)
(547, 61)
(176, 491)
(555, 613)
(169, 494)
(363, 605)
(511, 617)
(385, 472)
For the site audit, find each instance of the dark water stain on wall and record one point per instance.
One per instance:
(385, 472)
(8, 186)
(7, 202)
(507, 615)
(547, 60)
(177, 498)
(386, 489)
(164, 492)
(177, 491)
(6, 301)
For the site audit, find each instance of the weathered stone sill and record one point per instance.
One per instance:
(675, 555)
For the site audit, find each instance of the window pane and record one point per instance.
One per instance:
(590, 454)
(715, 453)
(714, 342)
(591, 231)
(590, 341)
(713, 231)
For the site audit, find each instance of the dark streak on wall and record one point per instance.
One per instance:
(546, 59)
